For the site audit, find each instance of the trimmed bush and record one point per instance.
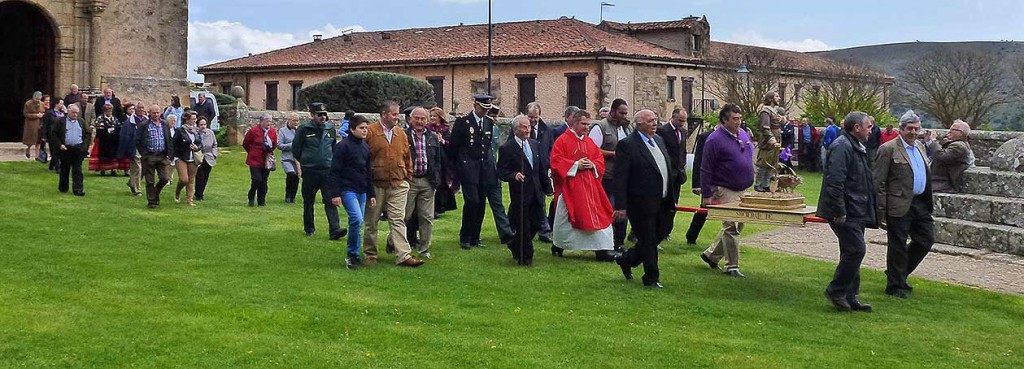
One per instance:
(365, 91)
(223, 99)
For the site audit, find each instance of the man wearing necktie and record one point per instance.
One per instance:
(904, 201)
(674, 135)
(520, 164)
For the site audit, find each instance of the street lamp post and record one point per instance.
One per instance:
(490, 37)
(744, 70)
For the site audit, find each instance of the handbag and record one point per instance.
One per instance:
(41, 156)
(270, 163)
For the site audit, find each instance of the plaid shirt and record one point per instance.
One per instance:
(420, 143)
(156, 138)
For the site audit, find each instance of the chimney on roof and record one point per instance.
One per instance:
(385, 35)
(346, 37)
(318, 38)
(537, 28)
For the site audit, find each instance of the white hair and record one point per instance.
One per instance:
(909, 117)
(74, 108)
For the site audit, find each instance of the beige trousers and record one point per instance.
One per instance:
(421, 204)
(727, 244)
(186, 179)
(135, 173)
(393, 201)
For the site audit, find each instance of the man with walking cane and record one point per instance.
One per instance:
(520, 164)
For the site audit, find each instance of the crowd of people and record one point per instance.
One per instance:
(603, 173)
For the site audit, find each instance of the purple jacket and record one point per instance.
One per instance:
(726, 162)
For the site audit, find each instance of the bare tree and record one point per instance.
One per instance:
(951, 84)
(843, 88)
(748, 89)
(1017, 68)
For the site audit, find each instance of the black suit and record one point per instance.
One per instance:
(471, 148)
(698, 220)
(675, 144)
(539, 133)
(118, 109)
(637, 180)
(527, 196)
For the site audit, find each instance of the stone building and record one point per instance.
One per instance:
(138, 49)
(558, 62)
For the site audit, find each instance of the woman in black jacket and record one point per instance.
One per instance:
(351, 184)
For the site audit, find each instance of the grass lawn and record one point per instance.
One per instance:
(101, 281)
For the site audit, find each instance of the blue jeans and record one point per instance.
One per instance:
(355, 205)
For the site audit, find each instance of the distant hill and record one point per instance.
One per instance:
(890, 59)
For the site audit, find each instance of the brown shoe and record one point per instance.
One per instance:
(411, 262)
(371, 260)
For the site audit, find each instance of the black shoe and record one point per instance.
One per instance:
(80, 193)
(337, 235)
(896, 292)
(288, 200)
(620, 248)
(691, 242)
(856, 305)
(557, 251)
(654, 285)
(632, 238)
(907, 286)
(252, 203)
(308, 234)
(465, 246)
(735, 272)
(103, 174)
(544, 238)
(478, 244)
(351, 263)
(838, 302)
(626, 270)
(712, 264)
(506, 240)
(604, 255)
(526, 263)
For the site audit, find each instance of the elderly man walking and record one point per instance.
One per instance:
(727, 169)
(391, 170)
(847, 201)
(427, 159)
(153, 141)
(905, 199)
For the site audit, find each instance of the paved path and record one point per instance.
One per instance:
(975, 268)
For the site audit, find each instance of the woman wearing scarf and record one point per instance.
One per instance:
(104, 156)
(445, 195)
(259, 143)
(186, 153)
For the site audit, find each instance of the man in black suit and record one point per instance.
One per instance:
(72, 136)
(642, 181)
(153, 141)
(471, 146)
(538, 132)
(698, 220)
(109, 98)
(521, 164)
(674, 136)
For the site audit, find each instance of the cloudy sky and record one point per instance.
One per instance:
(226, 29)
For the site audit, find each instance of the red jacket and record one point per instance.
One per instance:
(253, 145)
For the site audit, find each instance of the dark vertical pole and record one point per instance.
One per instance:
(490, 36)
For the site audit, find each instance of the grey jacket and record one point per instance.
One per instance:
(285, 137)
(208, 145)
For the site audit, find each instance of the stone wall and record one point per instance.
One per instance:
(649, 89)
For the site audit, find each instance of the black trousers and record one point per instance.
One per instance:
(525, 224)
(846, 280)
(696, 224)
(258, 185)
(902, 258)
(618, 226)
(202, 178)
(314, 180)
(473, 196)
(71, 166)
(650, 218)
(55, 155)
(291, 185)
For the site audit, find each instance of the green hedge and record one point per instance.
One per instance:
(365, 91)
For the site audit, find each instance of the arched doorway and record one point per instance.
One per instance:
(27, 58)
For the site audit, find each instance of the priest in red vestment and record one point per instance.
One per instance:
(583, 214)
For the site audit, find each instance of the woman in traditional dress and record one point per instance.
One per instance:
(104, 156)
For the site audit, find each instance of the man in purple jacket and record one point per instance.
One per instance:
(727, 169)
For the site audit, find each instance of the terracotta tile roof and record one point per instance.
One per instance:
(650, 26)
(540, 38)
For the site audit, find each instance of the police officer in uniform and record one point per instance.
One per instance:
(471, 146)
